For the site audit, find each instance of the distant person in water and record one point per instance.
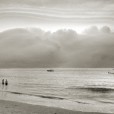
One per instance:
(6, 82)
(2, 81)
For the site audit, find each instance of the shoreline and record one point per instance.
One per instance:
(13, 107)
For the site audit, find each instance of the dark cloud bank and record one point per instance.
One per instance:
(64, 48)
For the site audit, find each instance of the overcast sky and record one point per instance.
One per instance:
(56, 33)
(56, 14)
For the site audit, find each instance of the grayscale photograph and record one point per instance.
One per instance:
(56, 56)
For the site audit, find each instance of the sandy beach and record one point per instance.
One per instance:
(11, 107)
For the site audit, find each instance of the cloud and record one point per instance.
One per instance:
(105, 29)
(52, 18)
(95, 30)
(64, 48)
(88, 4)
(92, 30)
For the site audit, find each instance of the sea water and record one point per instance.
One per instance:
(81, 89)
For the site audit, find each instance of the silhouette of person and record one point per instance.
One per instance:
(6, 82)
(2, 81)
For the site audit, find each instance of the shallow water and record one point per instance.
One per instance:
(75, 89)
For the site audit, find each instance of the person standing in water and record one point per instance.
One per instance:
(6, 82)
(2, 81)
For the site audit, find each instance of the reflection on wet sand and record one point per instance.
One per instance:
(3, 91)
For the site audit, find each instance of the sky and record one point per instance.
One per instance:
(51, 15)
(56, 33)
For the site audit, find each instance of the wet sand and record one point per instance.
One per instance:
(11, 107)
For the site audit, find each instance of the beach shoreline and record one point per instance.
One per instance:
(12, 107)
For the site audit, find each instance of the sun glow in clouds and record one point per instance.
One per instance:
(51, 19)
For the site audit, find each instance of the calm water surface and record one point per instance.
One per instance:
(75, 89)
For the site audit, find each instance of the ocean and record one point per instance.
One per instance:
(80, 89)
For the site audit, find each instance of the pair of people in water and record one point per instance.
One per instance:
(4, 82)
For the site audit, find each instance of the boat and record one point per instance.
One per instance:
(110, 72)
(50, 70)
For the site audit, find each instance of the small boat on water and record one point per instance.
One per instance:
(110, 72)
(50, 70)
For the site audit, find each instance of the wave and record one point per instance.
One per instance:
(99, 89)
(94, 89)
(81, 102)
(41, 96)
(107, 102)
